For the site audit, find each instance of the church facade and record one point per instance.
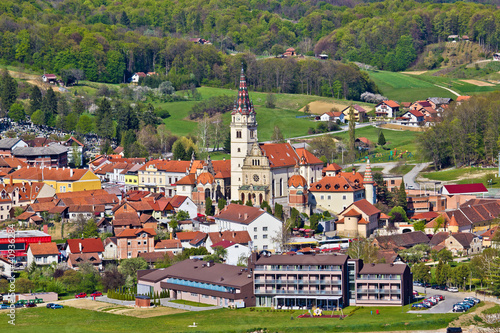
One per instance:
(261, 171)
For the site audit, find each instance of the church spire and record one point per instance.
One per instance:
(243, 104)
(368, 178)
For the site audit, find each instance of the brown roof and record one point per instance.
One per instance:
(425, 216)
(186, 235)
(405, 240)
(240, 213)
(77, 259)
(58, 174)
(40, 249)
(125, 233)
(366, 207)
(384, 269)
(239, 237)
(388, 256)
(335, 184)
(438, 238)
(464, 238)
(152, 257)
(306, 157)
(279, 154)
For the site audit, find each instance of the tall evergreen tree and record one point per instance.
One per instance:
(179, 151)
(35, 100)
(49, 107)
(352, 133)
(401, 200)
(78, 106)
(124, 20)
(381, 139)
(8, 92)
(103, 119)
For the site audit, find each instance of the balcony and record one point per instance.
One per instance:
(379, 291)
(299, 292)
(315, 282)
(293, 269)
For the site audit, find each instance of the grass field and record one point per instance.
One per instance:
(223, 320)
(458, 174)
(402, 169)
(407, 88)
(197, 304)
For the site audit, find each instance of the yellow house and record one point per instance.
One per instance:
(359, 113)
(61, 179)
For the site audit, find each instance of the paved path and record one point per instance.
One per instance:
(410, 177)
(360, 167)
(114, 301)
(452, 91)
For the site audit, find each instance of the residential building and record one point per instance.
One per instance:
(401, 241)
(131, 242)
(42, 253)
(260, 225)
(332, 116)
(9, 144)
(171, 245)
(360, 114)
(360, 219)
(84, 245)
(387, 109)
(5, 267)
(77, 259)
(411, 118)
(236, 237)
(459, 243)
(200, 281)
(50, 156)
(110, 248)
(235, 253)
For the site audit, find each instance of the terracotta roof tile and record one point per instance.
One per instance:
(169, 244)
(238, 237)
(39, 249)
(88, 245)
(240, 213)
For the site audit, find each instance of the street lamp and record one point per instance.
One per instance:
(464, 283)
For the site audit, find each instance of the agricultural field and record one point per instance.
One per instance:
(460, 175)
(224, 320)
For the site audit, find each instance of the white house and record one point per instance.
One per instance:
(42, 253)
(261, 226)
(234, 252)
(5, 267)
(181, 202)
(332, 116)
(137, 76)
(387, 109)
(49, 78)
(110, 248)
(411, 118)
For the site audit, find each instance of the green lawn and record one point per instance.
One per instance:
(197, 304)
(454, 174)
(408, 88)
(222, 320)
(402, 169)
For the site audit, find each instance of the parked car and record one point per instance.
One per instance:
(474, 299)
(18, 264)
(56, 306)
(459, 308)
(453, 289)
(4, 306)
(465, 305)
(418, 306)
(427, 303)
(427, 285)
(18, 305)
(454, 330)
(30, 305)
(418, 283)
(96, 294)
(443, 287)
(81, 295)
(471, 303)
(434, 286)
(431, 300)
(49, 305)
(441, 297)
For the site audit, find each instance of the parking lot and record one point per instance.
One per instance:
(445, 306)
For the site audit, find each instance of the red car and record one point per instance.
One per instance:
(81, 295)
(96, 294)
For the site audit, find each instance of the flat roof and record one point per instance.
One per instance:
(23, 233)
(306, 259)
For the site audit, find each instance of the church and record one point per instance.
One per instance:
(262, 171)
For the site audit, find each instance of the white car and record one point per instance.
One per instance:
(453, 289)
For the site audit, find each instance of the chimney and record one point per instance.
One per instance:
(71, 172)
(353, 171)
(246, 216)
(80, 246)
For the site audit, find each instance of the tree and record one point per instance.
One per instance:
(35, 100)
(85, 124)
(129, 267)
(383, 195)
(78, 106)
(381, 139)
(49, 107)
(277, 136)
(112, 278)
(103, 119)
(270, 101)
(362, 248)
(442, 273)
(90, 230)
(400, 198)
(17, 113)
(179, 151)
(218, 256)
(307, 109)
(221, 204)
(421, 272)
(8, 92)
(249, 203)
(438, 223)
(209, 210)
(398, 214)
(323, 145)
(278, 211)
(124, 20)
(419, 225)
(445, 256)
(38, 118)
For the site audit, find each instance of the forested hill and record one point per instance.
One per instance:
(108, 39)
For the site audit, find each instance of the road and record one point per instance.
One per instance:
(452, 91)
(410, 177)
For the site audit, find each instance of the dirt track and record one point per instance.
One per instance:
(320, 107)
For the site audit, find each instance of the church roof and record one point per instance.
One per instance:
(243, 105)
(205, 178)
(280, 154)
(296, 181)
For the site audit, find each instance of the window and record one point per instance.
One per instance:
(329, 197)
(255, 229)
(265, 247)
(264, 236)
(254, 236)
(239, 150)
(238, 134)
(393, 182)
(344, 197)
(255, 248)
(128, 243)
(129, 254)
(194, 294)
(139, 243)
(264, 228)
(69, 185)
(322, 197)
(145, 242)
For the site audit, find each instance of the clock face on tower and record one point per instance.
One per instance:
(256, 178)
(238, 118)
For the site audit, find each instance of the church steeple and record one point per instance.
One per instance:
(243, 103)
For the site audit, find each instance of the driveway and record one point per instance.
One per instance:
(443, 306)
(410, 177)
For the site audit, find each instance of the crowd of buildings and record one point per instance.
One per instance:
(132, 201)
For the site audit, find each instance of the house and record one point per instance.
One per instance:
(42, 253)
(496, 56)
(77, 259)
(360, 114)
(236, 237)
(411, 118)
(6, 267)
(389, 257)
(49, 78)
(9, 144)
(437, 102)
(84, 245)
(171, 245)
(260, 225)
(22, 240)
(290, 52)
(392, 183)
(490, 237)
(105, 225)
(401, 241)
(200, 281)
(110, 248)
(387, 109)
(200, 41)
(464, 189)
(235, 253)
(359, 219)
(49, 156)
(191, 239)
(332, 116)
(61, 179)
(137, 76)
(131, 242)
(153, 257)
(461, 99)
(459, 243)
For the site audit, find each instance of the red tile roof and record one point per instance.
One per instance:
(169, 244)
(391, 103)
(462, 98)
(296, 181)
(279, 154)
(88, 245)
(425, 216)
(366, 207)
(40, 249)
(187, 180)
(332, 167)
(306, 157)
(239, 237)
(224, 244)
(125, 233)
(186, 235)
(335, 184)
(58, 174)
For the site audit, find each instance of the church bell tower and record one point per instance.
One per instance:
(243, 134)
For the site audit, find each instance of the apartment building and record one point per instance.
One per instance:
(131, 242)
